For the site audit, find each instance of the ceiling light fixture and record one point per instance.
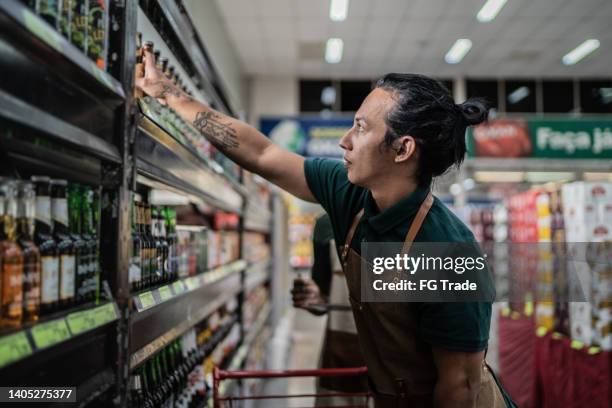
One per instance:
(333, 50)
(461, 47)
(580, 51)
(490, 10)
(518, 94)
(338, 10)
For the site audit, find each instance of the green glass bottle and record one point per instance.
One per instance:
(65, 246)
(135, 271)
(89, 234)
(75, 212)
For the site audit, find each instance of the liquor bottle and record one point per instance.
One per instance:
(144, 248)
(161, 231)
(11, 260)
(26, 206)
(78, 28)
(49, 10)
(172, 238)
(135, 272)
(149, 245)
(82, 258)
(65, 19)
(157, 245)
(97, 32)
(65, 247)
(96, 214)
(43, 238)
(136, 392)
(89, 235)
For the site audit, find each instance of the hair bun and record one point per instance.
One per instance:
(474, 110)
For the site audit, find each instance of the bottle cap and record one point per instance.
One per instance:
(59, 182)
(40, 179)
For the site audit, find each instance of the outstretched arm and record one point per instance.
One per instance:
(239, 141)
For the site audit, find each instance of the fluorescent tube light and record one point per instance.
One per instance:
(518, 94)
(490, 10)
(461, 47)
(333, 50)
(580, 51)
(338, 10)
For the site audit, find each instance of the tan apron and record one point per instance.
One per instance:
(400, 365)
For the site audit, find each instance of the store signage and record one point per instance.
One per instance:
(544, 138)
(311, 137)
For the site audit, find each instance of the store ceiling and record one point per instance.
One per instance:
(528, 38)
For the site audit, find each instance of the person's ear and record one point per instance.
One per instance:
(404, 147)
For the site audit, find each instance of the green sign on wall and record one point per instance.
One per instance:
(588, 138)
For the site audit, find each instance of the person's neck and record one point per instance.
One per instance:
(387, 194)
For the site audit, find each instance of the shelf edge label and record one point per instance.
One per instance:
(146, 300)
(165, 293)
(14, 347)
(50, 333)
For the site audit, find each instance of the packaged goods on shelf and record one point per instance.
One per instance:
(49, 258)
(587, 210)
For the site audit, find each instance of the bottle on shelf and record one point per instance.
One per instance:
(170, 221)
(48, 10)
(89, 234)
(65, 19)
(65, 245)
(97, 32)
(158, 247)
(26, 206)
(135, 271)
(49, 257)
(146, 249)
(78, 27)
(82, 258)
(96, 211)
(11, 259)
(155, 246)
(161, 232)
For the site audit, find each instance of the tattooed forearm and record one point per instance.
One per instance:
(169, 90)
(220, 134)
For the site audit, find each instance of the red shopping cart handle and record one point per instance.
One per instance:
(318, 372)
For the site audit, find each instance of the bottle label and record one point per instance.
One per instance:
(67, 269)
(43, 209)
(12, 291)
(135, 273)
(31, 284)
(59, 209)
(50, 279)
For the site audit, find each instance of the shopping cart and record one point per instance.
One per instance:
(229, 401)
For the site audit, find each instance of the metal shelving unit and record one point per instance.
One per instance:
(63, 116)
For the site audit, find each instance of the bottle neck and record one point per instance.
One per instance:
(43, 215)
(25, 228)
(59, 213)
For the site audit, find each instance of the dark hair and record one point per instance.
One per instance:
(425, 110)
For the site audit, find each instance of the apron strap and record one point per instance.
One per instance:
(417, 222)
(349, 236)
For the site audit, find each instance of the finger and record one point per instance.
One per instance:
(139, 70)
(139, 82)
(149, 62)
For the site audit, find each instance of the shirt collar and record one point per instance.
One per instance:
(398, 213)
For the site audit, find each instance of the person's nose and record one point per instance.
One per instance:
(345, 141)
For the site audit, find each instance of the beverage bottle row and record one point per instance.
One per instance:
(49, 248)
(83, 22)
(177, 376)
(154, 258)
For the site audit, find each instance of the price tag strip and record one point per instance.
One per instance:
(17, 346)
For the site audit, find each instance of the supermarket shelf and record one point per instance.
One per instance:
(32, 34)
(30, 116)
(158, 296)
(257, 219)
(188, 37)
(158, 325)
(250, 337)
(162, 158)
(536, 164)
(257, 274)
(58, 339)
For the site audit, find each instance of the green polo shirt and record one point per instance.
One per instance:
(452, 326)
(459, 326)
